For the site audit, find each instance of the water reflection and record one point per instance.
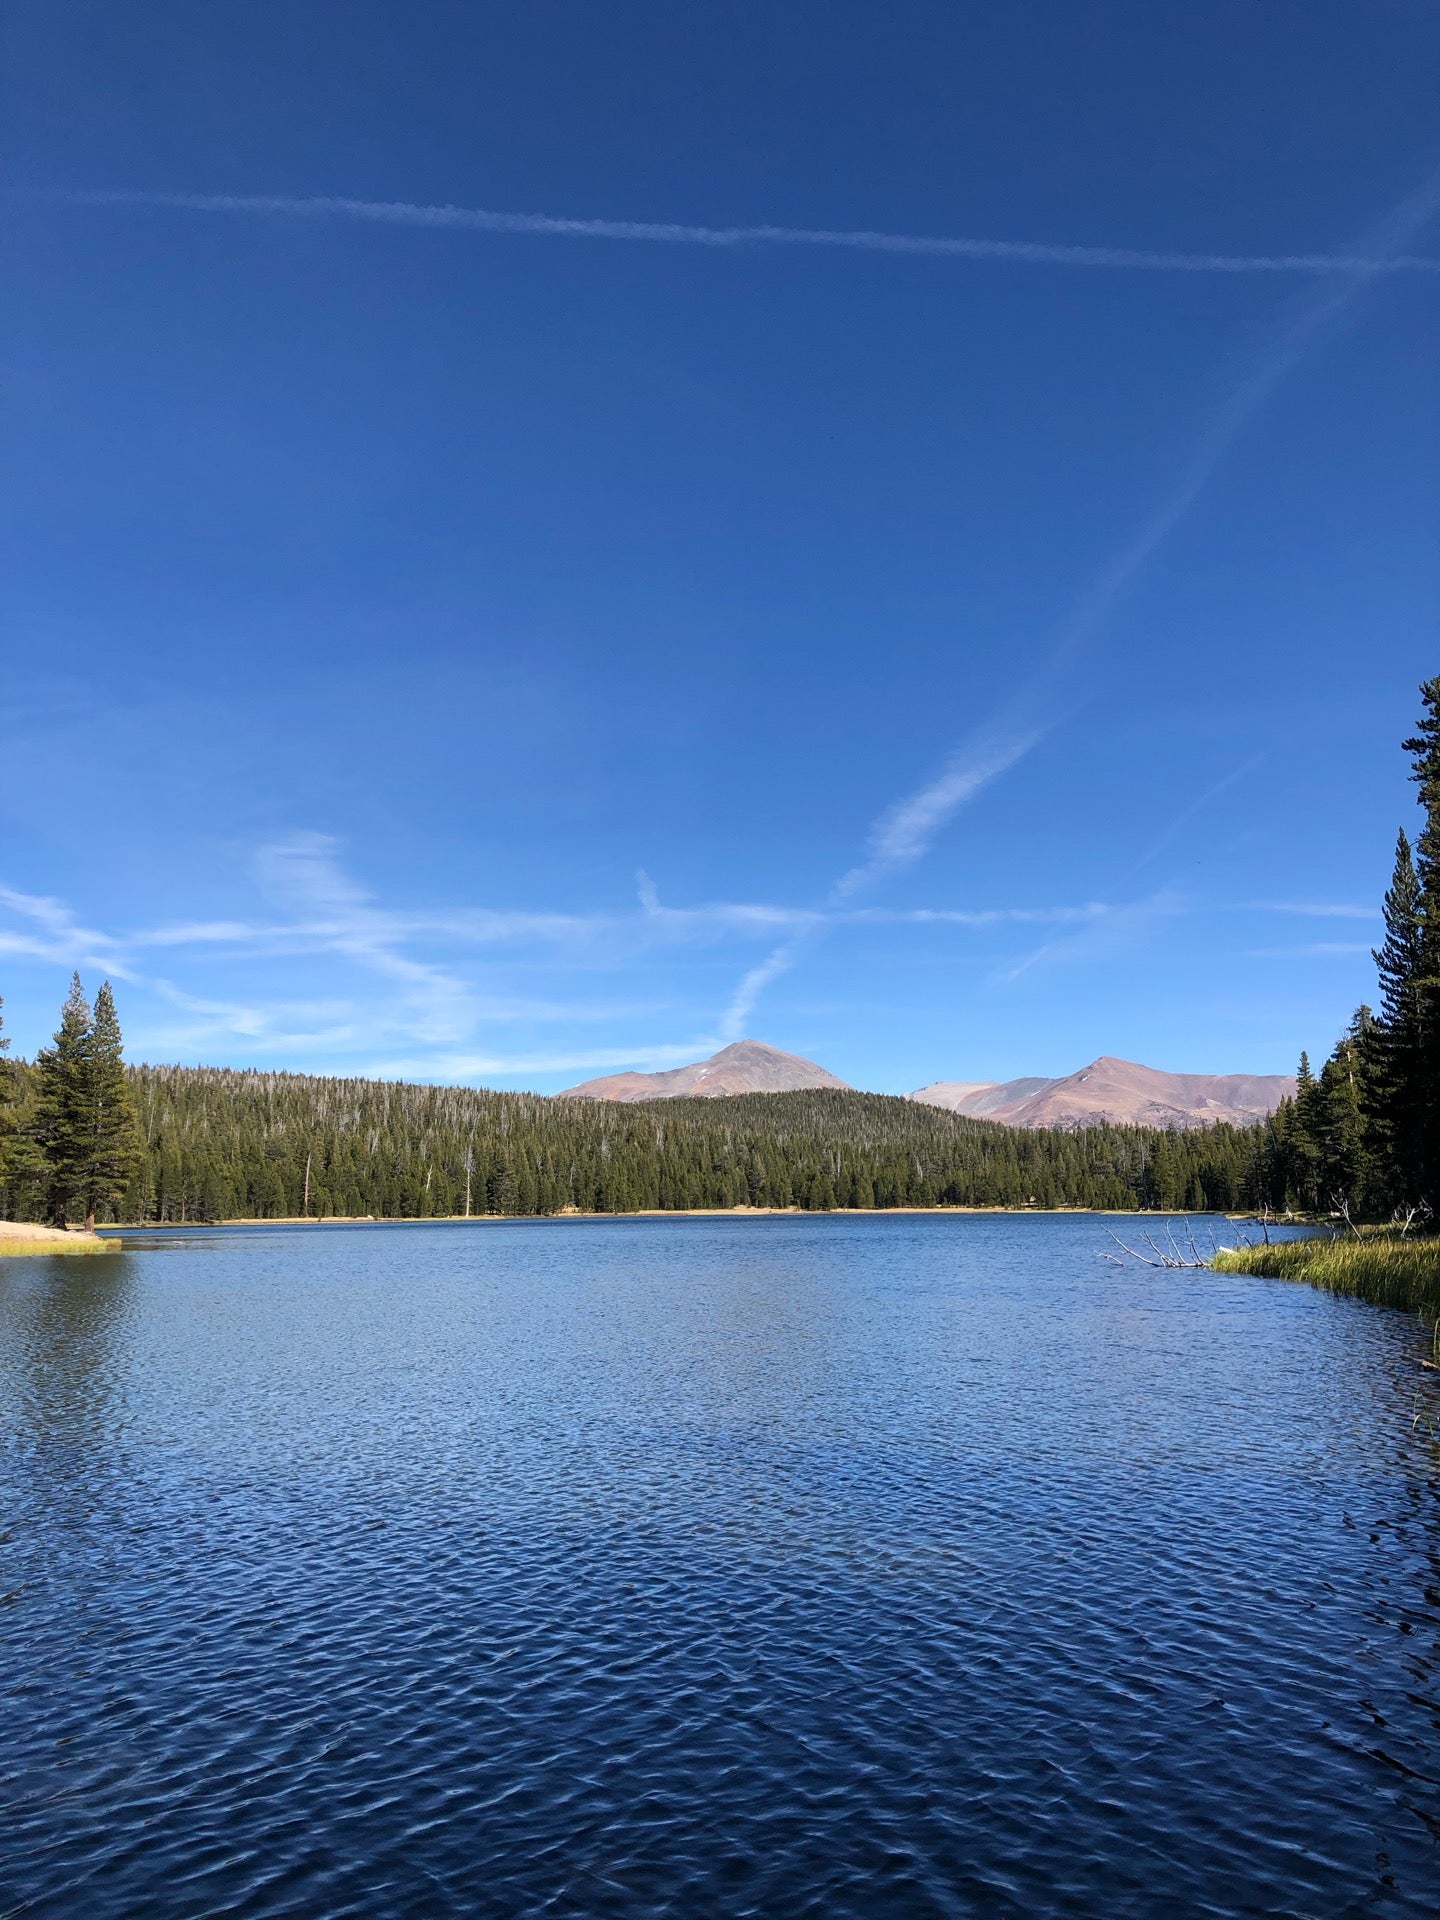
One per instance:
(62, 1332)
(837, 1567)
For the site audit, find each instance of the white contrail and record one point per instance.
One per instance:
(1037, 253)
(747, 994)
(907, 830)
(903, 833)
(1382, 249)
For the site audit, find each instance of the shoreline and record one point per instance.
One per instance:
(117, 1230)
(19, 1237)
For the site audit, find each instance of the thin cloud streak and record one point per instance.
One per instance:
(427, 1016)
(1314, 949)
(1115, 932)
(907, 830)
(1095, 606)
(59, 936)
(1313, 910)
(404, 213)
(747, 995)
(965, 917)
(304, 870)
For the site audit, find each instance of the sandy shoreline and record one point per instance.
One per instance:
(22, 1236)
(640, 1213)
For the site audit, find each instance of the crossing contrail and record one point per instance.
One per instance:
(1036, 253)
(905, 832)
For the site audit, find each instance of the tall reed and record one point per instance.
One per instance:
(1387, 1269)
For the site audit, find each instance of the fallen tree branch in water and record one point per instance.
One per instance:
(1173, 1257)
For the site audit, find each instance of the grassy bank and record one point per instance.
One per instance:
(16, 1237)
(1385, 1269)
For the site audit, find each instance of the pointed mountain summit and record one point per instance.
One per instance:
(746, 1066)
(1120, 1091)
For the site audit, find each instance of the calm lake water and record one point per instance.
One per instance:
(808, 1566)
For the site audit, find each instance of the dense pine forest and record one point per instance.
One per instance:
(228, 1145)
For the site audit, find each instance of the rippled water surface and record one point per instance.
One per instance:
(833, 1566)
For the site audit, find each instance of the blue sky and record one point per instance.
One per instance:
(506, 651)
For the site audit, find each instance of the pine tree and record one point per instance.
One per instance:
(1347, 1174)
(110, 1144)
(1396, 1047)
(1423, 1098)
(9, 1101)
(59, 1130)
(1305, 1135)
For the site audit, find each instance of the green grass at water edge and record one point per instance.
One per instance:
(10, 1244)
(1391, 1272)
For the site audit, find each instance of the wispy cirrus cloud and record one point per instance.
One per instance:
(717, 917)
(1197, 806)
(1035, 253)
(1309, 950)
(753, 983)
(969, 917)
(1315, 909)
(432, 989)
(50, 930)
(1117, 931)
(907, 830)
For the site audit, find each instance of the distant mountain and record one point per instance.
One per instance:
(747, 1066)
(1120, 1091)
(977, 1096)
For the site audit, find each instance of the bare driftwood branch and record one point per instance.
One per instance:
(1342, 1206)
(1405, 1217)
(1171, 1258)
(1156, 1257)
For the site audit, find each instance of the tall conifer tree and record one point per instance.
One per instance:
(1395, 1043)
(1346, 1171)
(1424, 1093)
(7, 1099)
(60, 1130)
(110, 1144)
(1306, 1131)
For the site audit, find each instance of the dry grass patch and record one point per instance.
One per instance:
(23, 1236)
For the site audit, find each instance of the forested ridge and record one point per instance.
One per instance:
(219, 1144)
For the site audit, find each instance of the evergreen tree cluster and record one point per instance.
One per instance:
(68, 1141)
(219, 1144)
(1363, 1137)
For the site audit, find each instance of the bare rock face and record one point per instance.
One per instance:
(747, 1066)
(1119, 1091)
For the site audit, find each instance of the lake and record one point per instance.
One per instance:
(828, 1565)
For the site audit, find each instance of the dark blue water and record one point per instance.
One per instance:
(833, 1566)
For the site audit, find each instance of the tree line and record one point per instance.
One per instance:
(1362, 1137)
(83, 1135)
(216, 1144)
(68, 1138)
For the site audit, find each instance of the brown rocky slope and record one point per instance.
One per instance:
(747, 1066)
(1120, 1091)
